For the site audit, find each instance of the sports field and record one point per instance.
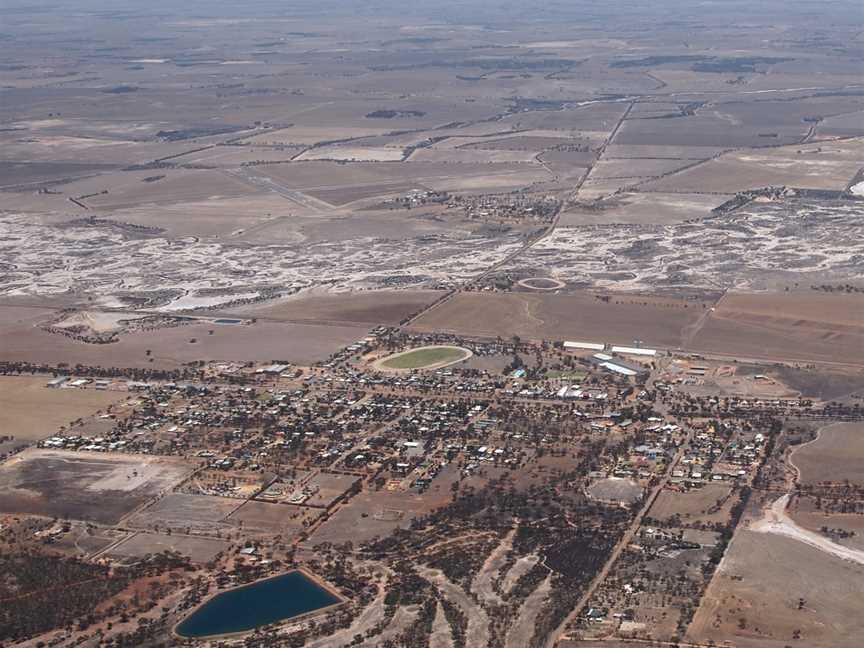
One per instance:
(425, 357)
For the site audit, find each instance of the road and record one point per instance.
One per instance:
(778, 522)
(560, 632)
(531, 242)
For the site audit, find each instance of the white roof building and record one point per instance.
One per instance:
(634, 351)
(590, 346)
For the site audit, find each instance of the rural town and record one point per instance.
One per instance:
(463, 325)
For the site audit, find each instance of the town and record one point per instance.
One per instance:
(350, 468)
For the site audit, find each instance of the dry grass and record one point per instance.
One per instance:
(31, 411)
(656, 321)
(837, 454)
(693, 505)
(761, 580)
(786, 326)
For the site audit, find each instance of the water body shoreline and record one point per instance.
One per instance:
(310, 580)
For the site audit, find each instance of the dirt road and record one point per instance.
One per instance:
(778, 522)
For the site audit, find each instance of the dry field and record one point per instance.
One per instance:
(264, 517)
(823, 166)
(371, 514)
(330, 486)
(96, 487)
(636, 168)
(199, 550)
(841, 310)
(232, 156)
(786, 326)
(352, 154)
(470, 156)
(822, 384)
(387, 307)
(31, 411)
(124, 189)
(21, 174)
(42, 146)
(805, 514)
(226, 218)
(758, 586)
(656, 321)
(693, 505)
(342, 196)
(836, 455)
(181, 512)
(642, 209)
(173, 347)
(705, 129)
(523, 141)
(315, 177)
(617, 151)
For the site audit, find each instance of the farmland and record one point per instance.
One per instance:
(513, 325)
(580, 315)
(30, 411)
(836, 455)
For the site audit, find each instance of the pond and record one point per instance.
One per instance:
(251, 606)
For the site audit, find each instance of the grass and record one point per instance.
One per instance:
(424, 358)
(567, 375)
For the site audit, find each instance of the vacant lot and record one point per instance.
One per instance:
(754, 597)
(373, 514)
(836, 455)
(285, 519)
(82, 485)
(616, 490)
(328, 487)
(698, 504)
(582, 316)
(181, 512)
(30, 411)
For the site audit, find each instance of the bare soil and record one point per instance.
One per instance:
(199, 550)
(761, 580)
(836, 455)
(387, 307)
(87, 486)
(30, 411)
(786, 326)
(173, 347)
(654, 320)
